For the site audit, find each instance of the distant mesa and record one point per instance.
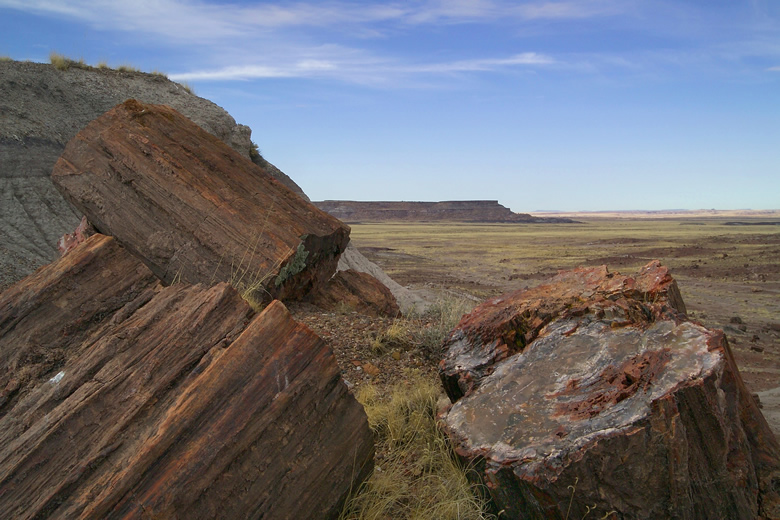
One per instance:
(450, 211)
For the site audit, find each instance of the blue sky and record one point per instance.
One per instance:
(566, 105)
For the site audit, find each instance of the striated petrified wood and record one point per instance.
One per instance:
(177, 403)
(594, 394)
(357, 291)
(192, 208)
(47, 317)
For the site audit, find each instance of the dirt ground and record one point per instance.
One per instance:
(728, 270)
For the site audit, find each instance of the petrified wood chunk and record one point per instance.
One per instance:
(178, 403)
(47, 317)
(193, 208)
(593, 394)
(357, 291)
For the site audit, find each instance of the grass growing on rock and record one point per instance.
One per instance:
(416, 475)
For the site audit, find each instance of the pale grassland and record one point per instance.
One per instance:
(494, 252)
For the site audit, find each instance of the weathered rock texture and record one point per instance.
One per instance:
(454, 211)
(594, 394)
(172, 402)
(358, 292)
(408, 300)
(192, 208)
(41, 109)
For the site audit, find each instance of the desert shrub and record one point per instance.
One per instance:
(125, 67)
(5, 58)
(186, 86)
(59, 61)
(62, 62)
(254, 152)
(102, 65)
(424, 332)
(159, 73)
(416, 475)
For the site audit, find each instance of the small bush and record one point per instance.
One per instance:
(59, 61)
(186, 86)
(254, 152)
(416, 474)
(102, 65)
(424, 332)
(127, 68)
(5, 58)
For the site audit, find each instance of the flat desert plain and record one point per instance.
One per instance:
(727, 268)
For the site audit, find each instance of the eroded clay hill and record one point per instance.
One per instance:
(41, 109)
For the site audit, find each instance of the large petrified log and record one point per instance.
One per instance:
(193, 208)
(175, 402)
(594, 394)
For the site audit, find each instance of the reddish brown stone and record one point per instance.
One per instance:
(593, 394)
(69, 241)
(176, 402)
(357, 291)
(48, 316)
(504, 325)
(193, 208)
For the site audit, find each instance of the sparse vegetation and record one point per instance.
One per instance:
(424, 332)
(186, 86)
(61, 62)
(5, 58)
(125, 67)
(416, 475)
(254, 152)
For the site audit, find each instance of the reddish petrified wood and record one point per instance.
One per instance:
(356, 291)
(504, 325)
(178, 402)
(593, 394)
(68, 241)
(47, 317)
(192, 208)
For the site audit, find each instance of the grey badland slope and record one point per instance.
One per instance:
(41, 109)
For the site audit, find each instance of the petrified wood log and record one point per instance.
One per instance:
(357, 291)
(593, 395)
(179, 402)
(192, 208)
(47, 317)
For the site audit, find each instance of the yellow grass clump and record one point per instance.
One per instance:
(416, 476)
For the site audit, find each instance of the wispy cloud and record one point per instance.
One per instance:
(363, 69)
(197, 20)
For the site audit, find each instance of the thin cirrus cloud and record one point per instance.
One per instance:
(362, 70)
(310, 39)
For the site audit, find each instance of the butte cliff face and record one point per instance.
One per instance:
(451, 211)
(41, 109)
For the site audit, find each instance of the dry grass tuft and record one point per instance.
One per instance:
(417, 475)
(186, 86)
(424, 332)
(126, 67)
(59, 61)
